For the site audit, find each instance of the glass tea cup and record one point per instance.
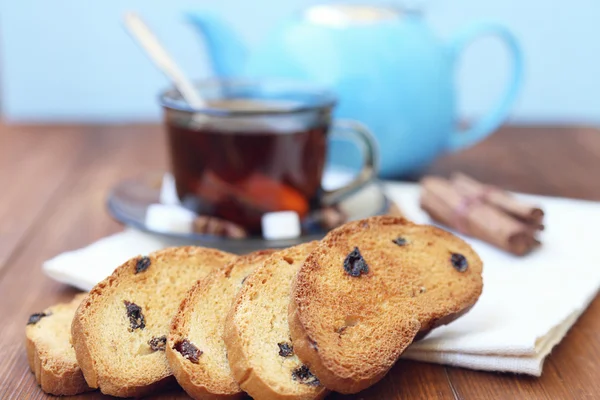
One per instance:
(258, 147)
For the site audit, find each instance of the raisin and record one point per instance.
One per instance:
(136, 318)
(303, 375)
(142, 264)
(188, 350)
(355, 264)
(35, 318)
(400, 241)
(158, 343)
(459, 262)
(285, 349)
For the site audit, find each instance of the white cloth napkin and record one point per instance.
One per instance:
(527, 306)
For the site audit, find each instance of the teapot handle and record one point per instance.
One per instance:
(489, 122)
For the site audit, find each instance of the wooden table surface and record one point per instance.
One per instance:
(54, 181)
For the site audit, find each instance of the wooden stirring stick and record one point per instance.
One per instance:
(157, 53)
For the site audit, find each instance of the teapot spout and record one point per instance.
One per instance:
(227, 53)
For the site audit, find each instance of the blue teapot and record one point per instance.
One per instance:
(387, 68)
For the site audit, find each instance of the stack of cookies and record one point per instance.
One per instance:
(287, 324)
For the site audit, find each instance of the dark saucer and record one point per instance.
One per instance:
(129, 200)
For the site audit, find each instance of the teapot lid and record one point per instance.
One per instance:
(340, 15)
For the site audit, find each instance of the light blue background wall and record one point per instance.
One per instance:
(71, 60)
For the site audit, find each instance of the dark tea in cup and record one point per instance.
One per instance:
(256, 148)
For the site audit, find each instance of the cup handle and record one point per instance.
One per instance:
(359, 134)
(488, 123)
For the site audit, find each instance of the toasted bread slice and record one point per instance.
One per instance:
(369, 288)
(257, 335)
(119, 331)
(200, 321)
(50, 353)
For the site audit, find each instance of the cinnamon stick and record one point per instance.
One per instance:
(446, 205)
(218, 227)
(528, 213)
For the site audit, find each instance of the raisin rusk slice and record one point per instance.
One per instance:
(262, 355)
(399, 281)
(50, 355)
(200, 319)
(131, 312)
